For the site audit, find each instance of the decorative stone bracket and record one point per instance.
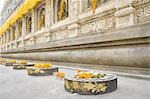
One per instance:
(125, 17)
(48, 37)
(73, 30)
(32, 40)
(125, 13)
(14, 45)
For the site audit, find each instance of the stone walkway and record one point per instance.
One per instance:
(16, 84)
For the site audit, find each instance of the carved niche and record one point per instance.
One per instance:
(60, 6)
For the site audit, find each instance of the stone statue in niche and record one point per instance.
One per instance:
(62, 5)
(14, 33)
(89, 2)
(41, 23)
(29, 24)
(20, 29)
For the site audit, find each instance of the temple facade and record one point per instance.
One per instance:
(104, 32)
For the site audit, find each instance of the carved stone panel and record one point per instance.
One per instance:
(62, 34)
(137, 3)
(143, 14)
(21, 44)
(30, 41)
(102, 25)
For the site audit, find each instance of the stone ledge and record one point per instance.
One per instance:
(129, 56)
(128, 35)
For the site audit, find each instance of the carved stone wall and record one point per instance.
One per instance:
(98, 26)
(62, 34)
(142, 10)
(80, 27)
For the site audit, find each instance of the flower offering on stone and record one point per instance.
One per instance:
(22, 62)
(12, 61)
(60, 74)
(44, 66)
(88, 75)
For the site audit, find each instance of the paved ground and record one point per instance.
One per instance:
(16, 84)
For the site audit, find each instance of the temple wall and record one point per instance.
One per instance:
(118, 33)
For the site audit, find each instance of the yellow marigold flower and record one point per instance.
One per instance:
(23, 62)
(60, 74)
(43, 65)
(12, 61)
(85, 75)
(78, 71)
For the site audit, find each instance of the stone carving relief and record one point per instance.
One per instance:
(30, 41)
(21, 44)
(73, 30)
(14, 45)
(137, 3)
(98, 26)
(61, 34)
(73, 33)
(143, 14)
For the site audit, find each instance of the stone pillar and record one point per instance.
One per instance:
(81, 6)
(48, 14)
(23, 27)
(7, 37)
(11, 34)
(125, 14)
(23, 30)
(4, 38)
(16, 35)
(0, 44)
(11, 37)
(74, 6)
(0, 40)
(73, 16)
(5, 41)
(17, 31)
(34, 20)
(52, 12)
